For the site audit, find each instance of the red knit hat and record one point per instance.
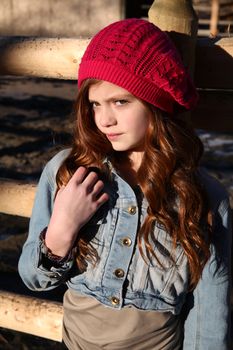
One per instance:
(137, 56)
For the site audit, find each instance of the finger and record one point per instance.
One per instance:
(102, 199)
(90, 181)
(97, 188)
(79, 175)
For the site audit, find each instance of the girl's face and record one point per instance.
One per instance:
(120, 116)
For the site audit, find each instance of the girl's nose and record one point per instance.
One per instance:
(107, 117)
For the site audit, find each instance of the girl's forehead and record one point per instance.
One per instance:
(106, 89)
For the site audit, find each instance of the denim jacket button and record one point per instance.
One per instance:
(132, 210)
(127, 241)
(119, 273)
(115, 301)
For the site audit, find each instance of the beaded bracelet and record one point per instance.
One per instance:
(60, 260)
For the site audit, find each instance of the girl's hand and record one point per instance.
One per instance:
(74, 205)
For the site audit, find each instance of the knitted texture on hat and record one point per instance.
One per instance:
(137, 56)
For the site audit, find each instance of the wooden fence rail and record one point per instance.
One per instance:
(16, 197)
(41, 57)
(31, 315)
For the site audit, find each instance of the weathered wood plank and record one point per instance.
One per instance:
(31, 315)
(41, 57)
(16, 197)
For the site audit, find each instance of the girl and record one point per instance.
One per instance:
(126, 217)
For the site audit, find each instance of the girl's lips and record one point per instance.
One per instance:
(113, 136)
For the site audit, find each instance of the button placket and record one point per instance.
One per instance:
(122, 245)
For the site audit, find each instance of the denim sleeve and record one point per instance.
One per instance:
(36, 275)
(207, 325)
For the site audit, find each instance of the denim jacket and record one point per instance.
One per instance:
(121, 277)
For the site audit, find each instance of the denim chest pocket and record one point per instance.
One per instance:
(162, 244)
(165, 277)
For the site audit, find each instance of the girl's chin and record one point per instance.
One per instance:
(121, 148)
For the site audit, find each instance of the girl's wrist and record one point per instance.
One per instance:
(56, 251)
(50, 259)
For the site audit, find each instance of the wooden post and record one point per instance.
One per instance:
(31, 315)
(214, 18)
(179, 19)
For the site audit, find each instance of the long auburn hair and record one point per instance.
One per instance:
(168, 178)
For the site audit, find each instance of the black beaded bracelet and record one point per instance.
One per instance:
(52, 257)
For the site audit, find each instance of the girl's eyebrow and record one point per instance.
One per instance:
(113, 98)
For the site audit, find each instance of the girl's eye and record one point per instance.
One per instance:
(121, 102)
(94, 104)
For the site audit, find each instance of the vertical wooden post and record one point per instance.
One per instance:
(214, 17)
(179, 19)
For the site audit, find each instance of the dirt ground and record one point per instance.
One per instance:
(35, 122)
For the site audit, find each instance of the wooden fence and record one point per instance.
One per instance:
(59, 58)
